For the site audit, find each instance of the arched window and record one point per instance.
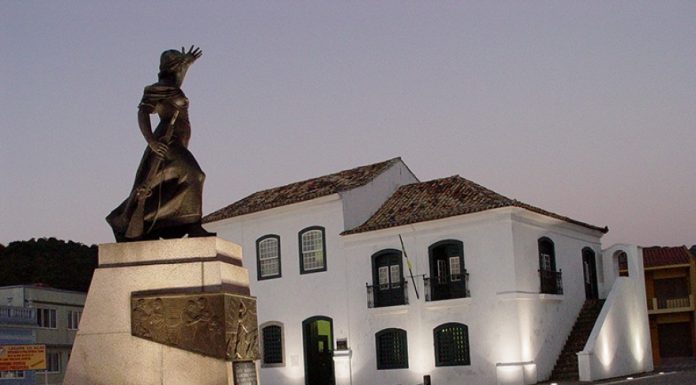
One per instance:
(268, 257)
(547, 254)
(451, 344)
(272, 344)
(392, 349)
(388, 284)
(448, 277)
(551, 280)
(312, 250)
(621, 261)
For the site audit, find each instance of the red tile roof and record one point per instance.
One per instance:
(442, 198)
(665, 256)
(302, 191)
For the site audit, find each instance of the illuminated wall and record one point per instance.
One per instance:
(515, 333)
(620, 341)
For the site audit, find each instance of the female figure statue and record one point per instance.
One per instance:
(166, 198)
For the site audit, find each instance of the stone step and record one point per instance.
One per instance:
(566, 367)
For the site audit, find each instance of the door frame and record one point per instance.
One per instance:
(305, 346)
(589, 258)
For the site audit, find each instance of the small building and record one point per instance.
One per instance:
(17, 326)
(41, 315)
(370, 276)
(670, 276)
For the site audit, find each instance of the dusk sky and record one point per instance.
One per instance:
(586, 109)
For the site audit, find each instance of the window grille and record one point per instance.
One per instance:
(272, 345)
(392, 349)
(452, 345)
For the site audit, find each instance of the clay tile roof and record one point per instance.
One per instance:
(302, 191)
(664, 256)
(442, 198)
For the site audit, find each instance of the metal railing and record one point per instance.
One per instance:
(551, 281)
(448, 286)
(392, 294)
(665, 304)
(17, 315)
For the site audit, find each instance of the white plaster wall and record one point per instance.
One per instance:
(360, 203)
(620, 341)
(545, 321)
(294, 297)
(509, 322)
(419, 318)
(634, 256)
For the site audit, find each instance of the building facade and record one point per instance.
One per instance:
(51, 317)
(371, 276)
(670, 275)
(17, 328)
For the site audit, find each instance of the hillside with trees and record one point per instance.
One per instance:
(49, 261)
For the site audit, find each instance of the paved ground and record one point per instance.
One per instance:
(672, 372)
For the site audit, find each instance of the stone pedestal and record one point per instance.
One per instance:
(106, 350)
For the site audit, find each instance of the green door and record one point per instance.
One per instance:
(318, 351)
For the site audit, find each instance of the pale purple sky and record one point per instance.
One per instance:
(587, 109)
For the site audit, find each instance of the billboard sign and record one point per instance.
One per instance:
(22, 357)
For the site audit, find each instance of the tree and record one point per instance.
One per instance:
(56, 263)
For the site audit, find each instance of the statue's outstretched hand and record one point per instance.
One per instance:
(192, 54)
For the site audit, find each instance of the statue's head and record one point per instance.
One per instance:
(174, 64)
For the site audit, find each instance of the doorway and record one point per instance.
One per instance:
(589, 268)
(675, 339)
(446, 270)
(387, 278)
(317, 333)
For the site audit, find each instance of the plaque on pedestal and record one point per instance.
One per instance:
(245, 373)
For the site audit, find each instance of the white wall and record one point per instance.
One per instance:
(293, 297)
(545, 321)
(513, 329)
(360, 203)
(509, 322)
(486, 240)
(620, 341)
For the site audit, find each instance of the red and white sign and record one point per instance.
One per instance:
(22, 357)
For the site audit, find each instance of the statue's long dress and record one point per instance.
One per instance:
(177, 186)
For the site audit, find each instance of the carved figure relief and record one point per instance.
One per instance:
(219, 325)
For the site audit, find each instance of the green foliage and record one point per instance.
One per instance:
(56, 263)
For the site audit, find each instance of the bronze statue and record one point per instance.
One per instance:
(166, 198)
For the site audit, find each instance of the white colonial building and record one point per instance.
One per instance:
(368, 276)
